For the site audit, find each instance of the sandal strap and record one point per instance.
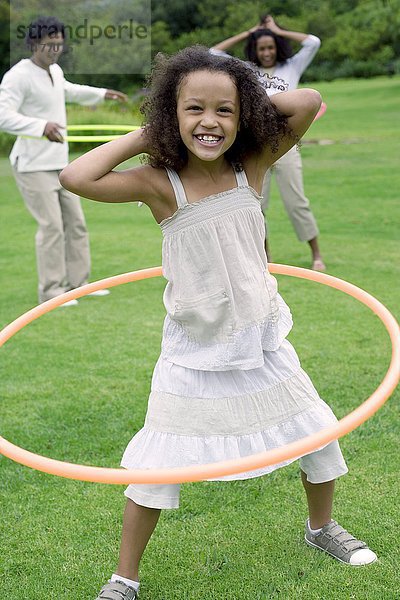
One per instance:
(335, 534)
(117, 590)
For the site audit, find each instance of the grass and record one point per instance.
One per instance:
(75, 386)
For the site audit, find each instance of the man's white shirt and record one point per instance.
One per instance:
(29, 98)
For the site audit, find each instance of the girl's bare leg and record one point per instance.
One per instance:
(138, 525)
(320, 501)
(317, 262)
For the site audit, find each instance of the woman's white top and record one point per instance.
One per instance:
(29, 98)
(223, 309)
(286, 75)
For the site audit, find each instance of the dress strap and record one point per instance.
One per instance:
(178, 187)
(241, 178)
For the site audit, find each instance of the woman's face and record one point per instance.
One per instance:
(266, 51)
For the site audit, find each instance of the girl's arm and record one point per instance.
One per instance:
(92, 174)
(235, 39)
(300, 108)
(296, 36)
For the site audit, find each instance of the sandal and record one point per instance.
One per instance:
(117, 590)
(340, 544)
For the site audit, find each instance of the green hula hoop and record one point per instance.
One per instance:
(97, 138)
(93, 127)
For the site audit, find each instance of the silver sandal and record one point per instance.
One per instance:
(340, 544)
(117, 590)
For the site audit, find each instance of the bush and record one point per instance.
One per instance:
(324, 71)
(361, 69)
(328, 71)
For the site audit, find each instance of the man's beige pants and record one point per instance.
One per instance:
(62, 242)
(289, 177)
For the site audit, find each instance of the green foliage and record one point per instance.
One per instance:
(181, 16)
(328, 71)
(4, 36)
(353, 32)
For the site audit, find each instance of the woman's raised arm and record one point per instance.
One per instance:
(235, 39)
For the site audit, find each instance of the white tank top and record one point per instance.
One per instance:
(222, 304)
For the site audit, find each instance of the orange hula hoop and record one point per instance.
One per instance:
(213, 470)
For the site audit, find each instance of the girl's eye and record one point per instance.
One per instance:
(225, 110)
(194, 108)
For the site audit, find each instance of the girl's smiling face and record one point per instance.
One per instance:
(208, 113)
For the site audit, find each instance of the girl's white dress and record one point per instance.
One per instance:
(227, 384)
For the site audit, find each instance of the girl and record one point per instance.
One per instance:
(268, 49)
(227, 384)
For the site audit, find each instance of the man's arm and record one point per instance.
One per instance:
(13, 90)
(88, 95)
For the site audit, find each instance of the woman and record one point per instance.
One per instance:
(268, 49)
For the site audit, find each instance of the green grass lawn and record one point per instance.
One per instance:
(75, 385)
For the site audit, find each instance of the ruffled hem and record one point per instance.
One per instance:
(150, 449)
(244, 351)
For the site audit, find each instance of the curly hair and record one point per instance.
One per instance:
(283, 48)
(42, 27)
(260, 123)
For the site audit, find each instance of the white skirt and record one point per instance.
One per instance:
(196, 417)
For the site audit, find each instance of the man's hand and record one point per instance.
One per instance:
(115, 95)
(53, 133)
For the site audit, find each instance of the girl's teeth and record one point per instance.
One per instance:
(207, 138)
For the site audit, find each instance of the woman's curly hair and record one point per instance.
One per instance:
(260, 123)
(283, 47)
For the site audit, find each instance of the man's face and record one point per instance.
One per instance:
(48, 50)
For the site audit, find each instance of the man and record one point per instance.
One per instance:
(32, 106)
